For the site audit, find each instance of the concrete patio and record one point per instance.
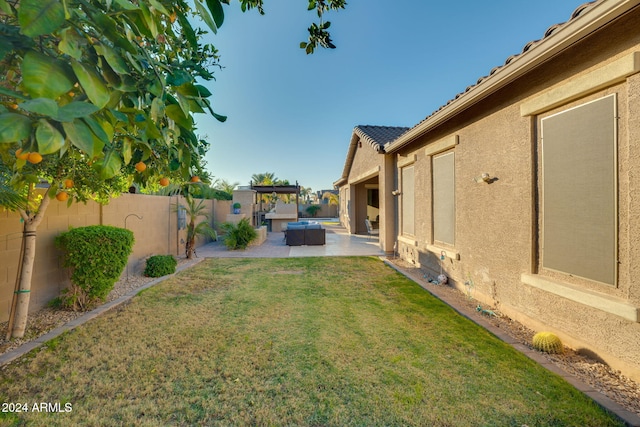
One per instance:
(338, 243)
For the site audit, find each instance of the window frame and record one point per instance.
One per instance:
(544, 186)
(451, 199)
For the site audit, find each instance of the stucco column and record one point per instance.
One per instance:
(386, 184)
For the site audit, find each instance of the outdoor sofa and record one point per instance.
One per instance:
(304, 233)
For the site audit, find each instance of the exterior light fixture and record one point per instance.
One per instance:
(485, 177)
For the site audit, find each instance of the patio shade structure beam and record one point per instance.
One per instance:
(278, 189)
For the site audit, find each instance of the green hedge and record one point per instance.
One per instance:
(97, 256)
(160, 265)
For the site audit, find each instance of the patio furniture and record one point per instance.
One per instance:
(304, 233)
(370, 230)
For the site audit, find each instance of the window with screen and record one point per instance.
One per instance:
(444, 200)
(408, 200)
(579, 205)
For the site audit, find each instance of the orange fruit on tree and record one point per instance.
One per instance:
(140, 166)
(20, 155)
(68, 183)
(164, 181)
(34, 158)
(62, 196)
(195, 179)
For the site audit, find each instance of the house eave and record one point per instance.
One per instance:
(541, 52)
(351, 153)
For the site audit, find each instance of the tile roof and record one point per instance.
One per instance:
(378, 136)
(375, 136)
(550, 31)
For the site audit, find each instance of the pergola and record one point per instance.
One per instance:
(276, 189)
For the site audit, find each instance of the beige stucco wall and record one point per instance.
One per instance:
(369, 169)
(498, 225)
(156, 233)
(326, 210)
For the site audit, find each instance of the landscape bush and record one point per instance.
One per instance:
(238, 236)
(160, 265)
(97, 256)
(312, 210)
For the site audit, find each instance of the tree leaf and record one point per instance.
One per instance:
(126, 150)
(39, 17)
(159, 7)
(76, 110)
(216, 11)
(149, 19)
(92, 84)
(14, 127)
(45, 77)
(188, 31)
(110, 30)
(82, 138)
(110, 165)
(219, 117)
(6, 46)
(183, 101)
(157, 109)
(175, 113)
(206, 17)
(178, 78)
(50, 140)
(152, 130)
(43, 106)
(12, 94)
(70, 43)
(4, 7)
(203, 91)
(99, 129)
(188, 89)
(115, 61)
(126, 5)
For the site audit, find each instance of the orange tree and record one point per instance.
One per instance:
(95, 95)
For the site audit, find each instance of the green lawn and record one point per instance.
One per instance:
(295, 342)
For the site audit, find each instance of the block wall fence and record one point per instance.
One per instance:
(153, 220)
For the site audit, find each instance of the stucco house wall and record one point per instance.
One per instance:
(367, 168)
(492, 135)
(498, 224)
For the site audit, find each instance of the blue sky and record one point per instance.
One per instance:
(396, 62)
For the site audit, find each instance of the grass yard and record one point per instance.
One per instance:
(289, 342)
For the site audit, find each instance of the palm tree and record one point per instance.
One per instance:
(331, 197)
(10, 199)
(267, 178)
(226, 186)
(305, 192)
(194, 211)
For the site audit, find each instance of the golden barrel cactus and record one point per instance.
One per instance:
(547, 342)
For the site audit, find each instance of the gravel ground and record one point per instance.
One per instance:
(595, 373)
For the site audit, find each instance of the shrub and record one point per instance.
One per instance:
(97, 256)
(238, 236)
(313, 210)
(160, 265)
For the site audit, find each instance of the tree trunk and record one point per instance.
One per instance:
(26, 272)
